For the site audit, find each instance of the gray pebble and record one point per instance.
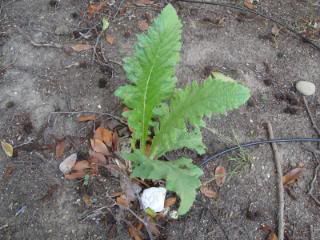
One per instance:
(306, 88)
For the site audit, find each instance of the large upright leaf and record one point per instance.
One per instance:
(217, 94)
(151, 71)
(181, 176)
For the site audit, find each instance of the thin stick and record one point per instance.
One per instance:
(92, 112)
(278, 161)
(312, 185)
(305, 39)
(314, 125)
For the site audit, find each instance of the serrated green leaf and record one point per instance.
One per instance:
(217, 94)
(151, 71)
(181, 138)
(181, 176)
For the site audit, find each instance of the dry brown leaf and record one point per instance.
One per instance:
(81, 165)
(95, 8)
(75, 175)
(220, 175)
(249, 4)
(143, 25)
(7, 148)
(87, 200)
(81, 47)
(98, 146)
(208, 192)
(170, 202)
(122, 200)
(97, 158)
(134, 233)
(292, 176)
(116, 194)
(85, 118)
(144, 2)
(272, 236)
(59, 148)
(110, 39)
(104, 135)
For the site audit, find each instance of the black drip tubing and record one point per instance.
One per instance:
(255, 143)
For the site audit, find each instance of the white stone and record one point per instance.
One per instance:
(67, 164)
(306, 88)
(154, 198)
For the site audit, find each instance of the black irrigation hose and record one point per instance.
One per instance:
(305, 39)
(255, 143)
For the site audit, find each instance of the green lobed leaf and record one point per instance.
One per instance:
(181, 176)
(151, 71)
(182, 138)
(217, 94)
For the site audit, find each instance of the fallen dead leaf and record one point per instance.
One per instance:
(143, 25)
(98, 146)
(59, 148)
(130, 188)
(97, 158)
(75, 175)
(87, 200)
(85, 118)
(292, 176)
(249, 4)
(208, 192)
(7, 148)
(95, 8)
(170, 202)
(220, 175)
(81, 47)
(134, 233)
(272, 236)
(81, 165)
(122, 200)
(110, 39)
(104, 135)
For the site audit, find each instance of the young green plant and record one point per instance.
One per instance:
(171, 117)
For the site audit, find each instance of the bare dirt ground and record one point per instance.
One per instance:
(36, 202)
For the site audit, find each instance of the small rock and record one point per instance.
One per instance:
(62, 30)
(67, 164)
(154, 198)
(306, 88)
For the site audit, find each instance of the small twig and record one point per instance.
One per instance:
(314, 179)
(53, 45)
(92, 112)
(314, 125)
(23, 144)
(140, 219)
(278, 161)
(237, 7)
(35, 44)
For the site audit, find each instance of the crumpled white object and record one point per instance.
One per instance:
(154, 198)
